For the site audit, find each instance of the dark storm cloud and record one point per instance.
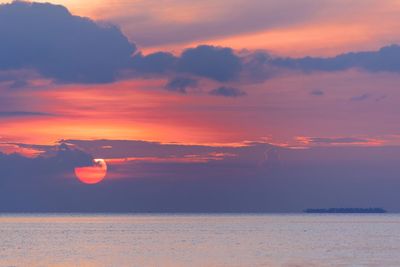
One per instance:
(60, 46)
(227, 92)
(181, 84)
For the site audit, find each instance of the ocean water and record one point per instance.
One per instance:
(200, 240)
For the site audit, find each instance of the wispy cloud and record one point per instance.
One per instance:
(227, 92)
(309, 141)
(24, 114)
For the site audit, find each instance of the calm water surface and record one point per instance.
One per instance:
(200, 240)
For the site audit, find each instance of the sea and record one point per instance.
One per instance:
(290, 240)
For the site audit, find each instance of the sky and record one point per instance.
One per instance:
(199, 106)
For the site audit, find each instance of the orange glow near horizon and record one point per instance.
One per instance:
(92, 174)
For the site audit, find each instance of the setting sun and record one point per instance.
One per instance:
(92, 174)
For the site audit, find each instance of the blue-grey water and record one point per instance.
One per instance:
(200, 240)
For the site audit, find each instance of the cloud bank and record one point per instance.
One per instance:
(49, 40)
(148, 177)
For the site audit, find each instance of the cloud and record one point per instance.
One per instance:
(23, 114)
(211, 62)
(231, 179)
(16, 79)
(317, 93)
(227, 92)
(223, 64)
(343, 140)
(181, 84)
(57, 45)
(60, 46)
(46, 183)
(385, 59)
(380, 98)
(256, 66)
(137, 148)
(155, 63)
(46, 40)
(360, 97)
(217, 63)
(57, 161)
(339, 141)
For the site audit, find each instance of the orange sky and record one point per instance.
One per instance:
(125, 110)
(277, 110)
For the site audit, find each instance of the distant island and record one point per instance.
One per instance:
(346, 210)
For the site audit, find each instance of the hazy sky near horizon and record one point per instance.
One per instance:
(277, 95)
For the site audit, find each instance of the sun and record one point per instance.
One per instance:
(92, 174)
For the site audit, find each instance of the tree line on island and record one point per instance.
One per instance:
(346, 210)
